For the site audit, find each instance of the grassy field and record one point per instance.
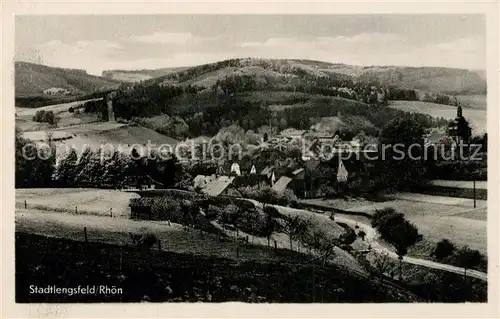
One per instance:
(460, 184)
(64, 120)
(87, 128)
(97, 134)
(133, 135)
(481, 194)
(87, 201)
(25, 123)
(473, 101)
(475, 116)
(175, 277)
(44, 208)
(461, 225)
(102, 134)
(117, 231)
(57, 108)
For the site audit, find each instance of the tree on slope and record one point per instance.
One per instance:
(394, 228)
(403, 236)
(468, 258)
(443, 249)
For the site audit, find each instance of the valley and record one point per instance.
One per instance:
(277, 208)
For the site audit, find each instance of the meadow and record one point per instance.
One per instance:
(76, 200)
(447, 217)
(473, 101)
(475, 116)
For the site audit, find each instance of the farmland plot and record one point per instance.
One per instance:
(476, 116)
(460, 224)
(76, 200)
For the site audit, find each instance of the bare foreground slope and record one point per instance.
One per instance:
(179, 270)
(111, 230)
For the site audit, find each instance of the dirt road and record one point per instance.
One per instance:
(372, 235)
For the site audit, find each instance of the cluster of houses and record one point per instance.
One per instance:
(296, 174)
(57, 91)
(315, 144)
(282, 175)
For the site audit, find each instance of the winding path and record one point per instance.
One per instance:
(372, 235)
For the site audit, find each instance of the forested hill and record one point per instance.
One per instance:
(429, 79)
(254, 93)
(32, 79)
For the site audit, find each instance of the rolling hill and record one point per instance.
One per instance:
(295, 93)
(429, 79)
(258, 92)
(32, 79)
(138, 75)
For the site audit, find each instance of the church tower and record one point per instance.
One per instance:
(459, 111)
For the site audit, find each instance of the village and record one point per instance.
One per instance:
(296, 174)
(251, 177)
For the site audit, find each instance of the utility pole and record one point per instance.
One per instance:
(474, 192)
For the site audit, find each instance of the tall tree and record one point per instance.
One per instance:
(403, 236)
(34, 164)
(468, 258)
(401, 143)
(67, 170)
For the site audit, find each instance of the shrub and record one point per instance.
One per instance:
(443, 249)
(265, 194)
(230, 215)
(45, 117)
(381, 214)
(469, 259)
(167, 208)
(460, 170)
(214, 212)
(389, 222)
(254, 222)
(144, 241)
(288, 197)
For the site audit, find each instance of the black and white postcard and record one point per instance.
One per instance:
(174, 157)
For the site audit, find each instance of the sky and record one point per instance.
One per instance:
(99, 42)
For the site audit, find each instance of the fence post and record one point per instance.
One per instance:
(76, 209)
(238, 251)
(111, 211)
(159, 245)
(25, 205)
(275, 245)
(85, 233)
